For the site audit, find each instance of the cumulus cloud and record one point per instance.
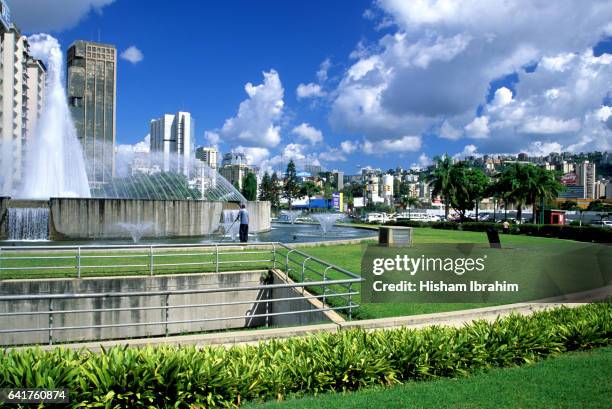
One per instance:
(348, 147)
(468, 150)
(433, 67)
(132, 54)
(309, 133)
(212, 138)
(423, 162)
(323, 69)
(401, 145)
(478, 128)
(257, 122)
(549, 125)
(310, 90)
(539, 148)
(57, 15)
(255, 155)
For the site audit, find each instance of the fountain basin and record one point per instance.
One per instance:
(85, 219)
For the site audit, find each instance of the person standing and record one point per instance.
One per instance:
(243, 216)
(506, 227)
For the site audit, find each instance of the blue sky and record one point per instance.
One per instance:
(390, 82)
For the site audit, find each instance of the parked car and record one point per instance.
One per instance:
(602, 223)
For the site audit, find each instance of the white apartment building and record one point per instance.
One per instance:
(209, 155)
(172, 138)
(585, 175)
(22, 81)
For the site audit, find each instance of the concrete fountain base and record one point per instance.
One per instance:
(74, 219)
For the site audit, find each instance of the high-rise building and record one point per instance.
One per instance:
(21, 92)
(172, 142)
(35, 93)
(585, 175)
(235, 167)
(91, 87)
(208, 155)
(338, 181)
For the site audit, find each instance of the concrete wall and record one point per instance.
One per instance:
(128, 284)
(149, 283)
(101, 218)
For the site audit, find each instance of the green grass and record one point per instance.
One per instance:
(350, 256)
(343, 255)
(572, 380)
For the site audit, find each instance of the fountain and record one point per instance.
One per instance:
(54, 161)
(230, 226)
(28, 224)
(136, 230)
(327, 220)
(291, 215)
(178, 202)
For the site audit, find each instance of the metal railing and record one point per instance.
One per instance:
(321, 286)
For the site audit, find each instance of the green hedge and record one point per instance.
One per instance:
(180, 377)
(579, 233)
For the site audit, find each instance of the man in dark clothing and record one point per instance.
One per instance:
(243, 216)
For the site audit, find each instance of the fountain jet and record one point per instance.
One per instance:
(54, 164)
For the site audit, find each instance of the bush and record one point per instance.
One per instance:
(187, 376)
(571, 232)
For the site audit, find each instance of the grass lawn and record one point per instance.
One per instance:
(349, 257)
(202, 260)
(572, 380)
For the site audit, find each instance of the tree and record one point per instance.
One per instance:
(440, 180)
(478, 186)
(527, 184)
(599, 206)
(410, 201)
(569, 205)
(249, 187)
(265, 188)
(292, 187)
(310, 189)
(275, 191)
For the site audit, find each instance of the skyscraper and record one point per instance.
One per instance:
(172, 142)
(21, 90)
(91, 88)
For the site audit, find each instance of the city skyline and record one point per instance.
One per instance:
(278, 99)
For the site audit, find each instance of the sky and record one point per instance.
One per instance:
(347, 84)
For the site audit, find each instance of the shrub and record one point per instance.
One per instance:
(215, 376)
(569, 232)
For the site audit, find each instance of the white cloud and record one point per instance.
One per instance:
(502, 97)
(348, 147)
(310, 90)
(549, 125)
(255, 155)
(404, 144)
(323, 69)
(132, 54)
(257, 120)
(212, 138)
(468, 150)
(447, 131)
(539, 148)
(434, 66)
(309, 133)
(56, 15)
(478, 128)
(557, 63)
(423, 162)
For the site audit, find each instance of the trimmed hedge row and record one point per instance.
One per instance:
(578, 233)
(183, 377)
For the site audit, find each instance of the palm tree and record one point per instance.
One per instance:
(440, 180)
(409, 201)
(546, 187)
